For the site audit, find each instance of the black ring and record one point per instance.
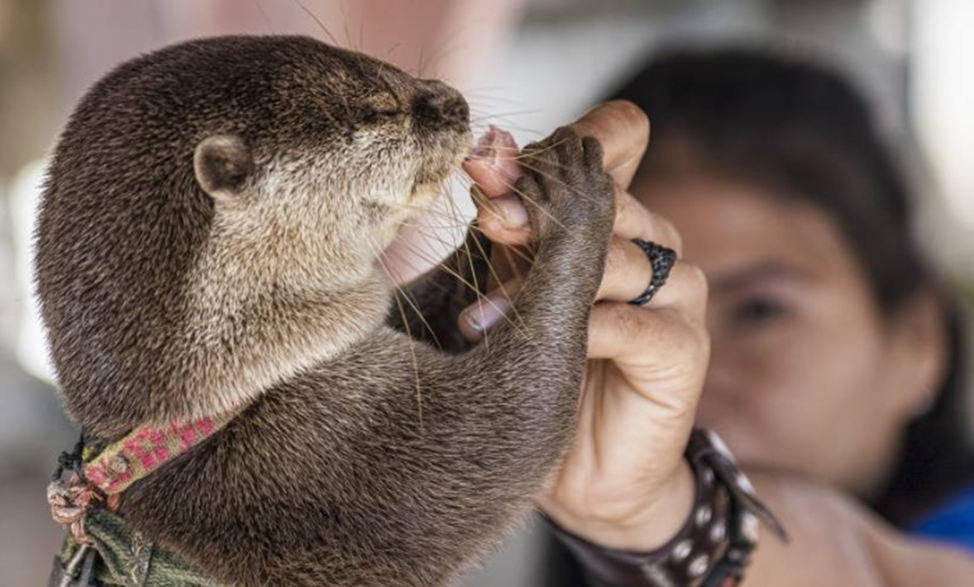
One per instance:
(662, 260)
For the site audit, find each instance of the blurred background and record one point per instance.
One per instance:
(527, 65)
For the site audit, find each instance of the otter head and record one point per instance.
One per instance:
(212, 215)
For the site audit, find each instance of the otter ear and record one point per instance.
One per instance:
(222, 163)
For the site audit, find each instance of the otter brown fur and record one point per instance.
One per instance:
(207, 239)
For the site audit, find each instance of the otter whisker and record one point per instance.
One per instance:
(420, 228)
(523, 158)
(480, 296)
(574, 191)
(348, 34)
(487, 257)
(361, 30)
(481, 128)
(517, 251)
(470, 259)
(492, 99)
(321, 25)
(503, 114)
(521, 154)
(502, 286)
(486, 89)
(420, 65)
(412, 342)
(541, 209)
(263, 15)
(393, 49)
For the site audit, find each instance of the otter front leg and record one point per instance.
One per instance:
(537, 356)
(486, 428)
(499, 417)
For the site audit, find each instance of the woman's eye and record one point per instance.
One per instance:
(759, 311)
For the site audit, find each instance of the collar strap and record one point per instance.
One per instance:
(146, 449)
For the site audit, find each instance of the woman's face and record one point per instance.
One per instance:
(806, 374)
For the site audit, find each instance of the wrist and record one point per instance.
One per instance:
(714, 544)
(642, 528)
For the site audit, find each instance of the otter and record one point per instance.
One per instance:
(207, 241)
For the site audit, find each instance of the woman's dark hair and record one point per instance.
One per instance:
(802, 129)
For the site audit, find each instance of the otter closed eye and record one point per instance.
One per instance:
(381, 105)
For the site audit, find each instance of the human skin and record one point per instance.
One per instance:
(632, 499)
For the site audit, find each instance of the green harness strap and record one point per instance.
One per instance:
(126, 559)
(100, 548)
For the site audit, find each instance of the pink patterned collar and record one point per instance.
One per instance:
(146, 449)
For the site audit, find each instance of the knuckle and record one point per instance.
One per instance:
(614, 322)
(621, 259)
(676, 239)
(623, 200)
(696, 276)
(667, 230)
(703, 344)
(630, 323)
(694, 344)
(635, 115)
(698, 285)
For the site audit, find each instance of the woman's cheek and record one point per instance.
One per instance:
(764, 395)
(820, 392)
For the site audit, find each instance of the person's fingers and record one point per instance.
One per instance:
(478, 318)
(621, 127)
(684, 294)
(634, 220)
(504, 220)
(628, 268)
(631, 335)
(628, 273)
(494, 166)
(688, 294)
(623, 130)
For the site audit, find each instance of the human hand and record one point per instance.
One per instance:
(624, 483)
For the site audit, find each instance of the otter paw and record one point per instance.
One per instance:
(564, 186)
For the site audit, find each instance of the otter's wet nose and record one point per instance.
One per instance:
(438, 103)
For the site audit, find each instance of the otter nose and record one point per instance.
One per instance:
(438, 103)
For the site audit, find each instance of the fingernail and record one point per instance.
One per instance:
(485, 154)
(486, 313)
(512, 211)
(485, 148)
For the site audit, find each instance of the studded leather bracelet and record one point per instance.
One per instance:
(713, 547)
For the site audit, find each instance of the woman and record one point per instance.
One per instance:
(787, 197)
(837, 359)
